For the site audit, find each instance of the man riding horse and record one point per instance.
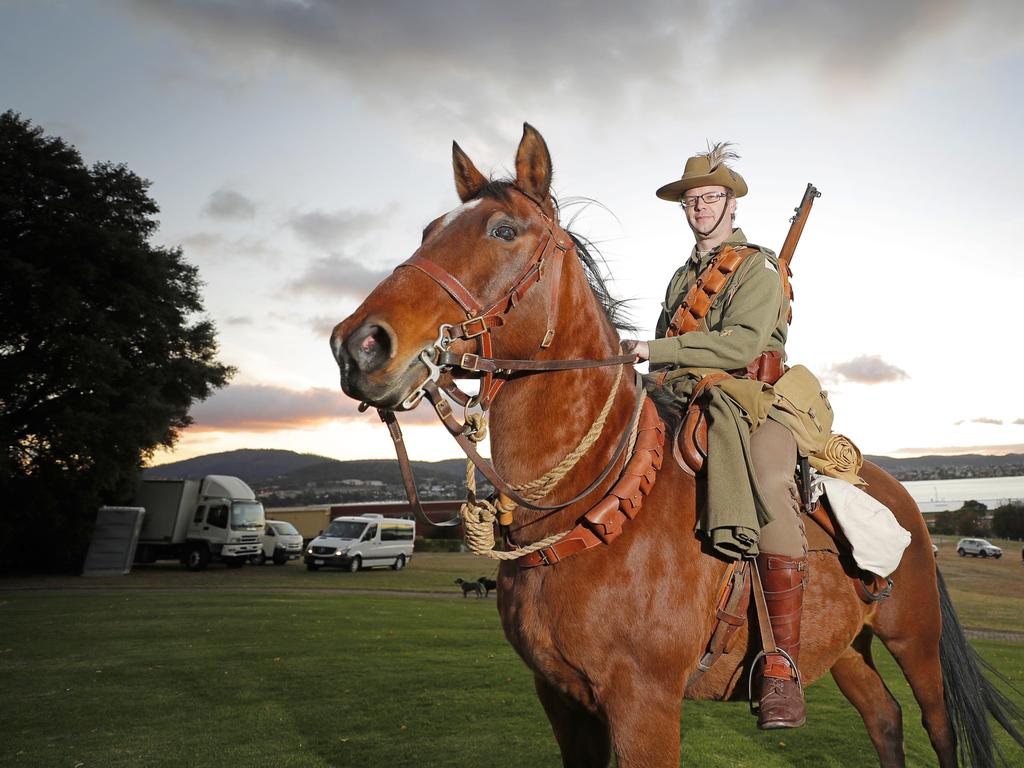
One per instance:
(743, 333)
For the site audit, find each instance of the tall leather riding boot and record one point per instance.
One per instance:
(782, 698)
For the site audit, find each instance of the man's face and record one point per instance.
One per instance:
(702, 216)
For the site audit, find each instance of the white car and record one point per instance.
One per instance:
(281, 543)
(978, 548)
(361, 542)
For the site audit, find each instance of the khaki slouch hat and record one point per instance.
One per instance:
(704, 170)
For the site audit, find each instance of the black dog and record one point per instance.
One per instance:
(487, 584)
(470, 586)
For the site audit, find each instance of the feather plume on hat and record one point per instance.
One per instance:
(719, 153)
(707, 169)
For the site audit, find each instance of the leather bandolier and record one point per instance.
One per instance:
(690, 445)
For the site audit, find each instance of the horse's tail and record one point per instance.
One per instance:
(970, 696)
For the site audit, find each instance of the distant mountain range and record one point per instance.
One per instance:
(288, 469)
(291, 469)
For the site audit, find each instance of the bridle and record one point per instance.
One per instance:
(545, 263)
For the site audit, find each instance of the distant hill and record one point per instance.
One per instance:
(249, 464)
(290, 469)
(287, 469)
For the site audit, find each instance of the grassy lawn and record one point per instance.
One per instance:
(277, 666)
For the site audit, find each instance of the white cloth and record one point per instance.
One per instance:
(878, 540)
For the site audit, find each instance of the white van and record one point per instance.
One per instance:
(363, 542)
(281, 543)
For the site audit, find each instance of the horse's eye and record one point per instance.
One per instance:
(504, 232)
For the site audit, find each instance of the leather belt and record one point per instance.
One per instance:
(766, 367)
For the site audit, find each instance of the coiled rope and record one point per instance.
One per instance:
(479, 515)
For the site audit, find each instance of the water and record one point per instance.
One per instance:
(940, 495)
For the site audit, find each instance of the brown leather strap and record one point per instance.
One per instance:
(604, 521)
(767, 367)
(763, 621)
(730, 615)
(389, 418)
(690, 314)
(468, 361)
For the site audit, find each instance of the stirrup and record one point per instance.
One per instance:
(754, 707)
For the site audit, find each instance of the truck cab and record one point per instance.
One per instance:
(196, 521)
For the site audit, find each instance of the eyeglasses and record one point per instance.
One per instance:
(707, 197)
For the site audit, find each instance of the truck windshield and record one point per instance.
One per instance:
(345, 529)
(246, 515)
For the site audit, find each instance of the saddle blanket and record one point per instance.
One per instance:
(876, 537)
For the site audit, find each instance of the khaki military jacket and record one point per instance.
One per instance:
(748, 316)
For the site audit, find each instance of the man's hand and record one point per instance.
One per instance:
(638, 348)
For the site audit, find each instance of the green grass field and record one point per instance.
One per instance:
(281, 667)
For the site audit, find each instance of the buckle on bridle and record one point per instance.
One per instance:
(469, 362)
(469, 327)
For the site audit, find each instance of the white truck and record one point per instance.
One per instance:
(196, 521)
(361, 542)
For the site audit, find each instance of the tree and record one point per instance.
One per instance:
(970, 518)
(1008, 521)
(103, 346)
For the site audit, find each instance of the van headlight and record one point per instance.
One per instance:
(340, 551)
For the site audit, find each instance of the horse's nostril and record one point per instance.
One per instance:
(370, 347)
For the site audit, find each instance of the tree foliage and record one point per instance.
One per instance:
(1008, 521)
(103, 345)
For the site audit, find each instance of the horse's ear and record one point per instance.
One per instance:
(533, 166)
(468, 180)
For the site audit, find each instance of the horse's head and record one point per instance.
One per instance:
(477, 260)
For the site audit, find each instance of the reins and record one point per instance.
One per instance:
(440, 382)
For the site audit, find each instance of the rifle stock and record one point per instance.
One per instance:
(796, 224)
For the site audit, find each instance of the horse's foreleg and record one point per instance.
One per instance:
(857, 678)
(582, 736)
(644, 721)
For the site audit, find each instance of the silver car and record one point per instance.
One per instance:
(978, 548)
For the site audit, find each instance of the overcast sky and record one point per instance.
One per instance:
(297, 148)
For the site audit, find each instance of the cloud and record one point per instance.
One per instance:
(252, 407)
(237, 320)
(215, 244)
(979, 420)
(338, 276)
(867, 369)
(229, 205)
(1018, 421)
(463, 58)
(263, 408)
(956, 450)
(330, 230)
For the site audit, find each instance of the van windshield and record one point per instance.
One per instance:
(246, 515)
(285, 529)
(345, 529)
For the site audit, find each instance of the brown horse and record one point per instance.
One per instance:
(613, 633)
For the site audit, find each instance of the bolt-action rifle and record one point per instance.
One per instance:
(796, 228)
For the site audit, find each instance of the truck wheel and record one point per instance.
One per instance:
(311, 567)
(961, 552)
(399, 564)
(197, 558)
(355, 564)
(260, 558)
(984, 553)
(234, 562)
(280, 559)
